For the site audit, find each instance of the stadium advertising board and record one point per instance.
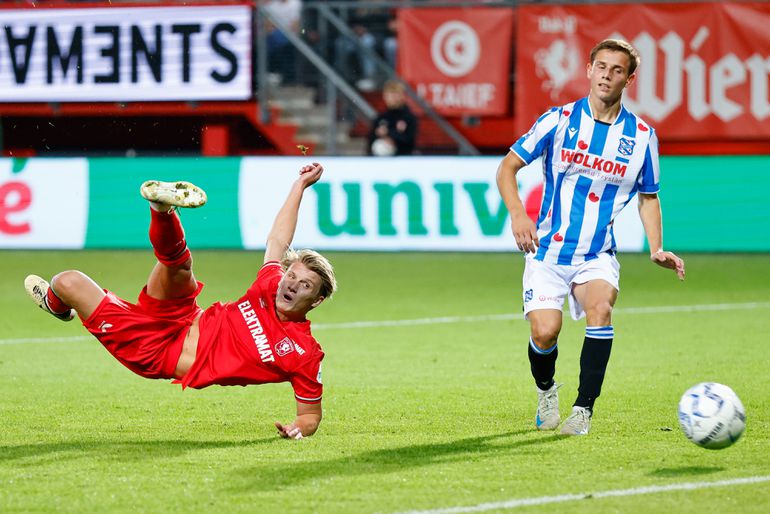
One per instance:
(390, 204)
(459, 60)
(43, 203)
(150, 53)
(704, 66)
(379, 204)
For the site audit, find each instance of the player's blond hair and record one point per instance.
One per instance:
(316, 263)
(618, 45)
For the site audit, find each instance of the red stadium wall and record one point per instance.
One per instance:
(703, 81)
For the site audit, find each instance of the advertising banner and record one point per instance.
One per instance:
(459, 60)
(378, 204)
(118, 216)
(704, 71)
(125, 54)
(43, 203)
(716, 203)
(391, 204)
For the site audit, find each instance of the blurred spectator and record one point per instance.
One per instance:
(394, 131)
(390, 44)
(346, 50)
(280, 53)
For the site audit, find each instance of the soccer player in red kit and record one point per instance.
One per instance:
(260, 338)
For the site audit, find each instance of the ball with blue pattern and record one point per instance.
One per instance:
(711, 415)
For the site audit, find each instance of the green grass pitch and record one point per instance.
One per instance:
(419, 416)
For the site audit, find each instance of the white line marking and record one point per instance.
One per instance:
(25, 340)
(542, 500)
(662, 309)
(419, 321)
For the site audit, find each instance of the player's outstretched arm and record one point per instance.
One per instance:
(523, 228)
(652, 220)
(305, 424)
(282, 232)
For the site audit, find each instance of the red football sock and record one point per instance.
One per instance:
(167, 238)
(55, 303)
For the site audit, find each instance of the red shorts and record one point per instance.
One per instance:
(146, 337)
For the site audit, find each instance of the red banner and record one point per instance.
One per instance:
(703, 74)
(459, 60)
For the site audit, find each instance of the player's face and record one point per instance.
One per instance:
(298, 291)
(609, 75)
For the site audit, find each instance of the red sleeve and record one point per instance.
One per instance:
(307, 383)
(267, 278)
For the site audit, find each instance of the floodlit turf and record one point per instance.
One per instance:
(417, 417)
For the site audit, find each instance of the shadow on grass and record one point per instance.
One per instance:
(685, 471)
(34, 454)
(269, 477)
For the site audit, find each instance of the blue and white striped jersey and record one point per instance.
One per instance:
(592, 170)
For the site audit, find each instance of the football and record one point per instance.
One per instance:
(711, 415)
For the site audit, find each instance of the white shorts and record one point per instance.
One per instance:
(546, 285)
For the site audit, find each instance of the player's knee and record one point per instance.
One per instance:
(184, 266)
(544, 336)
(66, 283)
(188, 264)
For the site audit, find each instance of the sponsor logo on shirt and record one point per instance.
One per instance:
(299, 349)
(104, 326)
(256, 330)
(594, 162)
(284, 347)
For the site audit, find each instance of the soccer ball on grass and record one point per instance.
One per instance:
(711, 415)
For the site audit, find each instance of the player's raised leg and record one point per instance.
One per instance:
(545, 327)
(597, 297)
(69, 293)
(172, 276)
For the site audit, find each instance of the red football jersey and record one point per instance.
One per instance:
(244, 343)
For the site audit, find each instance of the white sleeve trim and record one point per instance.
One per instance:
(298, 397)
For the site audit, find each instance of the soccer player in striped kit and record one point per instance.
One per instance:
(596, 156)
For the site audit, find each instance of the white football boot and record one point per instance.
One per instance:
(578, 423)
(547, 417)
(37, 289)
(177, 194)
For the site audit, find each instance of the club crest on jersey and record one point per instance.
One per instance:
(284, 347)
(626, 146)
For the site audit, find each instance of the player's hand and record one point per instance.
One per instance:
(525, 233)
(670, 261)
(289, 431)
(310, 174)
